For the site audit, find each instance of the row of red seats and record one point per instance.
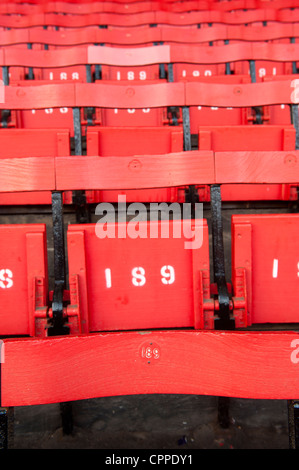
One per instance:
(203, 33)
(180, 62)
(113, 277)
(149, 130)
(129, 7)
(284, 15)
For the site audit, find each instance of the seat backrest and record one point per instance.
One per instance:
(265, 246)
(225, 138)
(117, 141)
(151, 282)
(23, 268)
(34, 143)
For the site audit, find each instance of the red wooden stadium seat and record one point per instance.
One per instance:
(265, 247)
(122, 286)
(23, 278)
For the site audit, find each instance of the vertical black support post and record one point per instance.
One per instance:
(294, 111)
(257, 109)
(90, 110)
(191, 194)
(295, 122)
(30, 69)
(98, 68)
(211, 42)
(172, 111)
(170, 73)
(78, 197)
(252, 71)
(223, 322)
(57, 325)
(186, 128)
(3, 429)
(227, 65)
(6, 428)
(294, 64)
(46, 46)
(5, 114)
(77, 131)
(6, 415)
(162, 71)
(293, 421)
(88, 73)
(5, 75)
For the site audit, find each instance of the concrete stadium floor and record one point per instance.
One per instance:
(154, 422)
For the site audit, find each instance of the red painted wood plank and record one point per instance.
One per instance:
(259, 365)
(135, 7)
(128, 57)
(153, 171)
(149, 17)
(39, 96)
(62, 38)
(27, 174)
(34, 143)
(242, 95)
(45, 58)
(130, 96)
(233, 52)
(257, 167)
(90, 35)
(149, 55)
(132, 35)
(149, 96)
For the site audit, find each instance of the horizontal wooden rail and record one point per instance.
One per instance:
(139, 56)
(137, 7)
(135, 172)
(257, 365)
(134, 35)
(139, 96)
(150, 17)
(29, 174)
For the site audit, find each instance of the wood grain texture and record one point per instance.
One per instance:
(162, 54)
(247, 365)
(130, 96)
(158, 95)
(132, 36)
(27, 174)
(242, 95)
(86, 7)
(149, 17)
(171, 170)
(39, 96)
(128, 57)
(257, 167)
(233, 53)
(45, 58)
